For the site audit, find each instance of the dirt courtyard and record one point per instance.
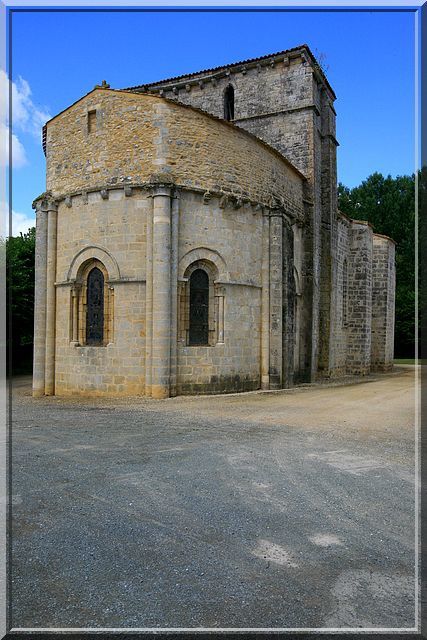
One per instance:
(287, 510)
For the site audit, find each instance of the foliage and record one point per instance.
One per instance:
(389, 205)
(422, 244)
(321, 63)
(20, 253)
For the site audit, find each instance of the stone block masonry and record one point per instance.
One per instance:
(383, 298)
(189, 240)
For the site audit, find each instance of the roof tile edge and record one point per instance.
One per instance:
(296, 51)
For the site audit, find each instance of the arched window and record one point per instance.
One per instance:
(229, 103)
(91, 305)
(201, 304)
(199, 308)
(95, 307)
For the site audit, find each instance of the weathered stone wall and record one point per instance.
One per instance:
(341, 293)
(119, 148)
(117, 224)
(286, 102)
(383, 296)
(273, 100)
(359, 302)
(141, 135)
(289, 307)
(329, 235)
(232, 241)
(148, 189)
(114, 369)
(114, 232)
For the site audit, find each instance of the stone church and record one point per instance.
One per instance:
(189, 240)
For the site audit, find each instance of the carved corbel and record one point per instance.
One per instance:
(223, 201)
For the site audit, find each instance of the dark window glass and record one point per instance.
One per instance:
(199, 307)
(95, 307)
(229, 103)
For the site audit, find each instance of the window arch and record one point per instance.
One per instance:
(229, 103)
(199, 308)
(92, 305)
(200, 305)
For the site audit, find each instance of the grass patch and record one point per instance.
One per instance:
(405, 361)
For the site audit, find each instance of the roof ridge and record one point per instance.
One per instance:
(234, 64)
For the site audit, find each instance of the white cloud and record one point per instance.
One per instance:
(25, 114)
(27, 118)
(19, 158)
(21, 222)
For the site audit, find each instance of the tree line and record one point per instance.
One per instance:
(387, 203)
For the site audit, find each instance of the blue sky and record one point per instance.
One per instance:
(59, 56)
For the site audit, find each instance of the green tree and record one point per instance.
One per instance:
(389, 205)
(422, 244)
(20, 252)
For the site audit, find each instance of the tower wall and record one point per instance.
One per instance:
(285, 100)
(359, 299)
(383, 297)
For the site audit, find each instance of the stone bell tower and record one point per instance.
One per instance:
(285, 100)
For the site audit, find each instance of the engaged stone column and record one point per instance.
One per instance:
(221, 315)
(174, 293)
(161, 333)
(40, 299)
(75, 316)
(298, 263)
(49, 388)
(149, 302)
(276, 300)
(265, 304)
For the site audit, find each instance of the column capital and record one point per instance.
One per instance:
(161, 190)
(52, 205)
(161, 184)
(45, 202)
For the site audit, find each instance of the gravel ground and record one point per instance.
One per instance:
(292, 509)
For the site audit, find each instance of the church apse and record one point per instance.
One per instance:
(189, 240)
